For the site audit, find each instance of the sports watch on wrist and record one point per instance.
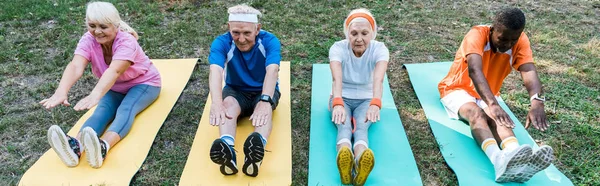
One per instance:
(537, 97)
(266, 98)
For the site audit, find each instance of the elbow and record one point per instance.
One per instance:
(378, 80)
(473, 73)
(117, 72)
(273, 70)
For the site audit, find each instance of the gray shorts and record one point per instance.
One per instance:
(248, 100)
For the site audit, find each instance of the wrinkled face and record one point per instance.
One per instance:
(104, 33)
(359, 35)
(244, 34)
(503, 38)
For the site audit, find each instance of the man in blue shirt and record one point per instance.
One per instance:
(250, 58)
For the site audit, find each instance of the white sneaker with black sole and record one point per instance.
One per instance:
(66, 147)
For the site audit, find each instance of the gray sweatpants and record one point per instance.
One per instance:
(356, 108)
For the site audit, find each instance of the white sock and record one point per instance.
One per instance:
(509, 144)
(360, 142)
(344, 140)
(490, 147)
(228, 139)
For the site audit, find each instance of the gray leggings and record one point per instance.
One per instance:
(356, 108)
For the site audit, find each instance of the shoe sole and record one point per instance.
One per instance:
(60, 144)
(345, 162)
(92, 148)
(254, 152)
(365, 166)
(539, 161)
(518, 161)
(221, 154)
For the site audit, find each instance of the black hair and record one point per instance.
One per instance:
(511, 18)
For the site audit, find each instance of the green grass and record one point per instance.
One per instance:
(38, 38)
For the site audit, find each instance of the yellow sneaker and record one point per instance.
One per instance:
(364, 166)
(345, 162)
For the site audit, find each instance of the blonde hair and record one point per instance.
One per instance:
(243, 9)
(360, 19)
(106, 13)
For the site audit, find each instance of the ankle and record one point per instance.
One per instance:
(104, 147)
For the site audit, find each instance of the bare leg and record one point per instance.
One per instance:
(111, 137)
(500, 132)
(478, 121)
(233, 110)
(265, 130)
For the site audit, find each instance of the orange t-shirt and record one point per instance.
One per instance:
(496, 66)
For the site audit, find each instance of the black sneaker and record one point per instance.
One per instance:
(66, 147)
(95, 148)
(254, 149)
(224, 155)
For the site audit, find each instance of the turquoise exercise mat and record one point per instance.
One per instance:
(461, 152)
(394, 162)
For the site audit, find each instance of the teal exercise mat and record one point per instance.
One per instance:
(394, 161)
(461, 152)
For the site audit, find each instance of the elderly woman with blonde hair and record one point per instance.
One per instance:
(128, 83)
(358, 64)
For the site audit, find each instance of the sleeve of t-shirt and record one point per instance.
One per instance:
(126, 49)
(473, 43)
(84, 47)
(218, 52)
(523, 53)
(336, 52)
(273, 50)
(382, 53)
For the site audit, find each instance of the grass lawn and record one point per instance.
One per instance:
(38, 37)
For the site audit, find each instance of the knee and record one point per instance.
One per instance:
(233, 107)
(361, 124)
(230, 101)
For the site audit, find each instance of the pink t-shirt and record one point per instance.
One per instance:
(125, 47)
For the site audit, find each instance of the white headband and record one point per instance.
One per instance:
(251, 18)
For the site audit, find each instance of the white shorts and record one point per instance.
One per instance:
(456, 99)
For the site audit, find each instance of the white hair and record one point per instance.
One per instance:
(243, 9)
(360, 19)
(106, 13)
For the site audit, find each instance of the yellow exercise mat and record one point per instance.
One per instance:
(276, 168)
(124, 159)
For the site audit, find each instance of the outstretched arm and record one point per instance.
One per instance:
(107, 80)
(378, 75)
(338, 115)
(263, 111)
(72, 73)
(481, 85)
(536, 115)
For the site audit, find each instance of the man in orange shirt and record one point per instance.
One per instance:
(471, 90)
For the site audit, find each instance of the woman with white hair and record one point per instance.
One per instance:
(358, 66)
(128, 83)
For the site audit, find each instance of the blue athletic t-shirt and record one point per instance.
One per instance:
(246, 70)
